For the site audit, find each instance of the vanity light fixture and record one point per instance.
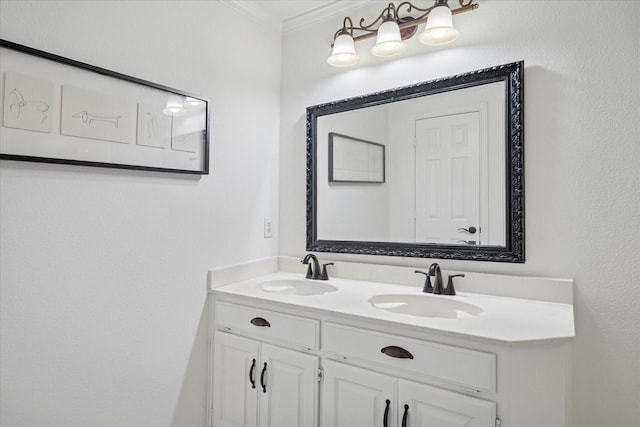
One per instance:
(389, 41)
(344, 50)
(391, 29)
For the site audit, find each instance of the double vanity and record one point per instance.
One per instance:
(288, 351)
(365, 346)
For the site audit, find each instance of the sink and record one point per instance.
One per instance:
(297, 287)
(425, 305)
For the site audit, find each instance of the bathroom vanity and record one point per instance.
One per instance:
(287, 351)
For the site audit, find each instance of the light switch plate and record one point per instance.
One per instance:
(268, 231)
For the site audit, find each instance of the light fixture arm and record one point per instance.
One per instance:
(392, 12)
(347, 28)
(410, 7)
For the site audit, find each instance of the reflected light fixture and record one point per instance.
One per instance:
(391, 29)
(174, 107)
(193, 102)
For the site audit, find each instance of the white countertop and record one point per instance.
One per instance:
(504, 319)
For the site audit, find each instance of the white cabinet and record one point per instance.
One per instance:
(267, 358)
(257, 384)
(357, 397)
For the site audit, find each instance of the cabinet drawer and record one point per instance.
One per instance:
(463, 367)
(268, 325)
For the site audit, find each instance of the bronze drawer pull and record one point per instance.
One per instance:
(397, 352)
(259, 321)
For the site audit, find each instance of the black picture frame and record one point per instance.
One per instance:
(81, 114)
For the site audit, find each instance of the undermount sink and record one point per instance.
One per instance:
(297, 287)
(425, 305)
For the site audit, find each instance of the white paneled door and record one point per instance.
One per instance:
(356, 397)
(290, 380)
(423, 405)
(235, 370)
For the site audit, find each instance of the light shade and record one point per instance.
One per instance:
(193, 102)
(174, 106)
(344, 52)
(439, 29)
(389, 42)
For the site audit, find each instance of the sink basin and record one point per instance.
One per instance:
(297, 287)
(425, 305)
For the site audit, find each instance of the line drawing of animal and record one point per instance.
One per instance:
(21, 103)
(152, 126)
(89, 118)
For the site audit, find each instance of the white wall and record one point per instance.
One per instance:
(357, 224)
(103, 272)
(582, 152)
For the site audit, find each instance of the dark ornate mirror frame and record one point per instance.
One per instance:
(513, 75)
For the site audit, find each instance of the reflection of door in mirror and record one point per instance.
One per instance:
(447, 171)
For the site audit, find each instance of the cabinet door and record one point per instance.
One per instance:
(290, 394)
(356, 397)
(235, 381)
(430, 406)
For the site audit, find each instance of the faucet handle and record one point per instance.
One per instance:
(427, 282)
(325, 275)
(450, 290)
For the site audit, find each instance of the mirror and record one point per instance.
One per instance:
(431, 170)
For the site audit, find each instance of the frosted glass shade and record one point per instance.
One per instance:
(439, 29)
(388, 42)
(174, 106)
(344, 52)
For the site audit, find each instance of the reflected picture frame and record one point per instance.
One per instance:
(59, 110)
(355, 160)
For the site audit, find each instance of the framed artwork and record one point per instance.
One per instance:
(58, 110)
(355, 160)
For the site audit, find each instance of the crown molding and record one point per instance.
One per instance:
(323, 13)
(251, 10)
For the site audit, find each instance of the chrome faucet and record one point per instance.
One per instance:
(313, 272)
